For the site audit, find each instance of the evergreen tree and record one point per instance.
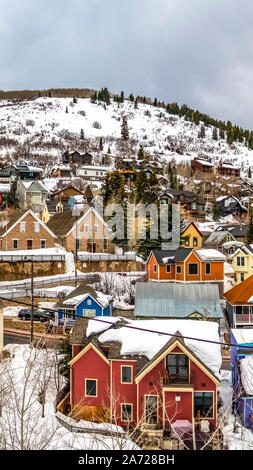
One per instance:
(94, 97)
(250, 229)
(122, 97)
(101, 147)
(136, 103)
(67, 109)
(131, 97)
(230, 136)
(104, 95)
(113, 189)
(249, 173)
(222, 134)
(109, 150)
(49, 94)
(124, 129)
(141, 154)
(202, 132)
(217, 211)
(12, 198)
(155, 102)
(65, 350)
(215, 133)
(74, 99)
(82, 134)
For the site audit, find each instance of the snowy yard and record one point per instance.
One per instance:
(25, 378)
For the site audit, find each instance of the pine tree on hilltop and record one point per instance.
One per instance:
(131, 97)
(122, 97)
(249, 173)
(222, 134)
(136, 103)
(155, 102)
(124, 129)
(82, 134)
(215, 133)
(202, 132)
(94, 97)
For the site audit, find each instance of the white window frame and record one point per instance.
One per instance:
(239, 261)
(22, 226)
(89, 313)
(168, 268)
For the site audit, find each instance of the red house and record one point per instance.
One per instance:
(161, 381)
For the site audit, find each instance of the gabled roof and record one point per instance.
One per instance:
(186, 224)
(240, 294)
(174, 341)
(171, 256)
(17, 217)
(79, 294)
(62, 222)
(217, 237)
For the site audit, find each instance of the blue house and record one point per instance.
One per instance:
(85, 302)
(242, 373)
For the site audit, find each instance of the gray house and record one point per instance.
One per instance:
(176, 300)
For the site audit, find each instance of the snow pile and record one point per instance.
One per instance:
(149, 344)
(70, 263)
(246, 365)
(228, 269)
(12, 311)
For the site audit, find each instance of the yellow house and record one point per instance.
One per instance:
(242, 263)
(191, 237)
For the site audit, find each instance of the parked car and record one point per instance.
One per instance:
(25, 314)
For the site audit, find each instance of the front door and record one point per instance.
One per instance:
(29, 244)
(151, 409)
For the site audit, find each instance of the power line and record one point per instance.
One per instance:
(138, 328)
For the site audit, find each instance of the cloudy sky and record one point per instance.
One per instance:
(198, 52)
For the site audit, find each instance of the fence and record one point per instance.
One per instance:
(106, 257)
(87, 427)
(26, 258)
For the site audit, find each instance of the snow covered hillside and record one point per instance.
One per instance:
(46, 127)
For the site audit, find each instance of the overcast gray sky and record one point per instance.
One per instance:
(197, 52)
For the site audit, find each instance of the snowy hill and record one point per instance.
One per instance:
(42, 128)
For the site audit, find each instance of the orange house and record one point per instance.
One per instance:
(186, 265)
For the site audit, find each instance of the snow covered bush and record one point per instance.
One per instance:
(97, 125)
(30, 122)
(82, 113)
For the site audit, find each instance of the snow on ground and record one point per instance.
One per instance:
(235, 436)
(12, 311)
(45, 120)
(21, 425)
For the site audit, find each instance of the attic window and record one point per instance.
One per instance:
(22, 226)
(195, 241)
(88, 302)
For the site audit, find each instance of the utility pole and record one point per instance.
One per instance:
(32, 301)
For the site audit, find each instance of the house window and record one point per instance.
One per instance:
(203, 404)
(195, 241)
(242, 277)
(208, 268)
(86, 228)
(95, 228)
(15, 244)
(89, 312)
(179, 269)
(36, 227)
(240, 261)
(151, 409)
(167, 268)
(91, 387)
(105, 244)
(126, 412)
(193, 269)
(126, 374)
(42, 243)
(194, 206)
(22, 226)
(187, 241)
(155, 268)
(178, 367)
(89, 302)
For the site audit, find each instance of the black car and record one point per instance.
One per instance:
(38, 315)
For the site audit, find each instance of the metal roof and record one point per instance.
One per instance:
(177, 300)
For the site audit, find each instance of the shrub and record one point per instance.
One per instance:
(96, 125)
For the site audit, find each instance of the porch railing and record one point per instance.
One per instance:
(244, 318)
(176, 379)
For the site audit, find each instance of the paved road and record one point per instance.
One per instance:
(19, 339)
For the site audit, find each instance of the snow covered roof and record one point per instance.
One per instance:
(211, 255)
(243, 335)
(143, 343)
